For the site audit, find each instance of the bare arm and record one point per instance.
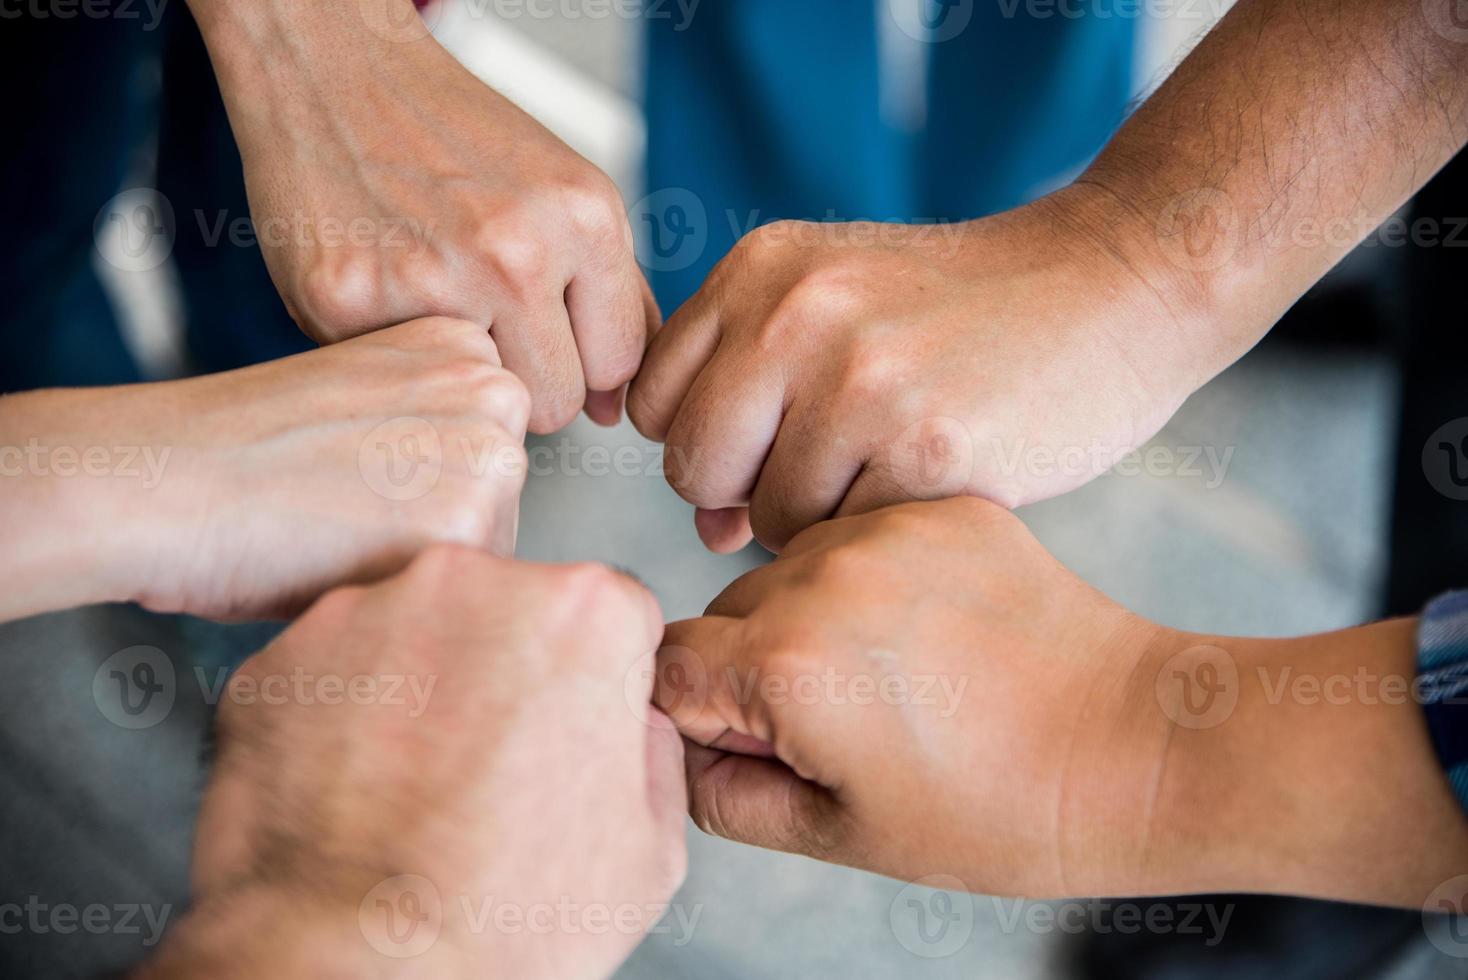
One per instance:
(1290, 133)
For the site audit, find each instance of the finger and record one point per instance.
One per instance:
(537, 345)
(724, 430)
(743, 596)
(675, 356)
(760, 802)
(608, 319)
(605, 407)
(697, 681)
(809, 471)
(724, 530)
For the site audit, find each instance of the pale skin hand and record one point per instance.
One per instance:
(816, 365)
(246, 495)
(387, 183)
(531, 773)
(1028, 747)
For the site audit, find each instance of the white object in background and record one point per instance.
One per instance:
(598, 122)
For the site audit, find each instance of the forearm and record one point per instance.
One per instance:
(1321, 781)
(1289, 134)
(71, 492)
(276, 59)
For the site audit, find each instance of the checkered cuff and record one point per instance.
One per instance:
(1442, 668)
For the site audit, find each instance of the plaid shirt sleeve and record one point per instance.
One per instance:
(1442, 668)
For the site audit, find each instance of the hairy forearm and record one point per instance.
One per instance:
(1283, 139)
(1320, 780)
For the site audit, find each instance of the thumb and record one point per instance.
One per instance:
(762, 802)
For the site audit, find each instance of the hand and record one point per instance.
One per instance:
(386, 183)
(924, 690)
(252, 492)
(834, 369)
(512, 769)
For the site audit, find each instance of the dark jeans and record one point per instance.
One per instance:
(88, 100)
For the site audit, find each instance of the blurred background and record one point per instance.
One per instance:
(1295, 499)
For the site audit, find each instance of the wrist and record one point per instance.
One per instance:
(1313, 775)
(77, 493)
(1142, 319)
(286, 929)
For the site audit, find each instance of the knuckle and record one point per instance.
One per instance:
(591, 587)
(553, 411)
(515, 253)
(503, 398)
(441, 563)
(868, 371)
(339, 290)
(819, 300)
(593, 205)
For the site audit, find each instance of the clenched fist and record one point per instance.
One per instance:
(247, 494)
(829, 369)
(489, 791)
(386, 183)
